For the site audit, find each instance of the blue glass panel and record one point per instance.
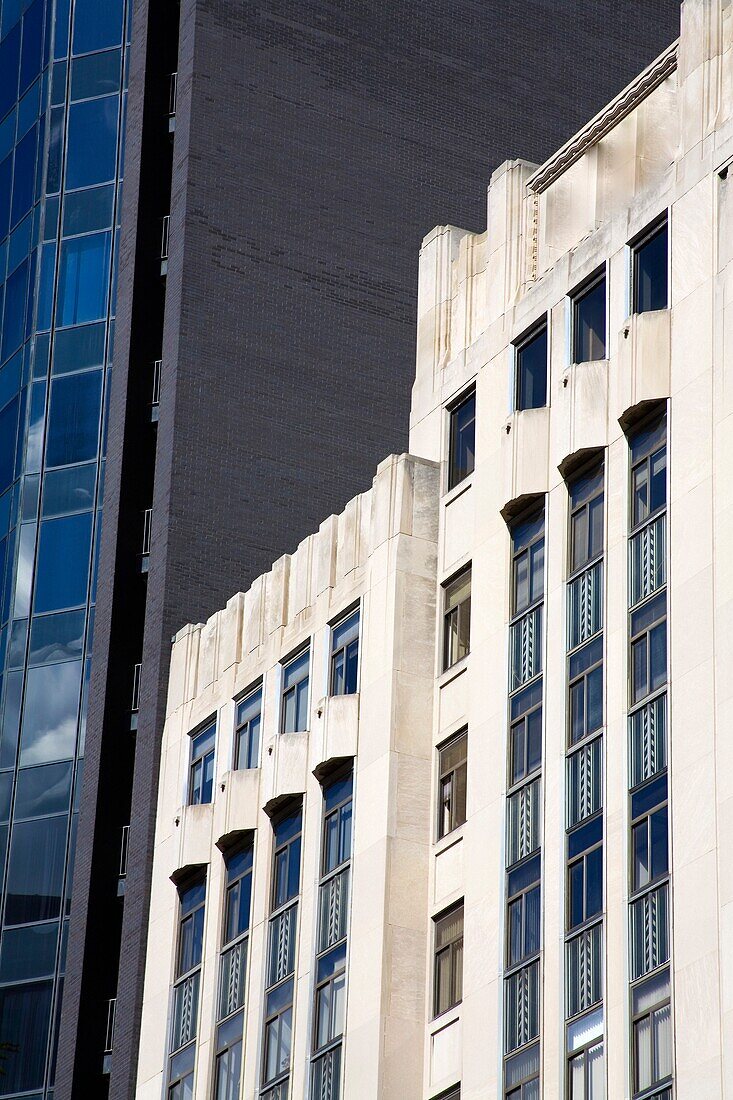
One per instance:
(16, 645)
(57, 637)
(14, 315)
(55, 151)
(29, 507)
(68, 491)
(29, 108)
(28, 952)
(86, 211)
(63, 563)
(34, 443)
(77, 348)
(30, 57)
(58, 83)
(8, 428)
(20, 240)
(6, 176)
(11, 14)
(11, 719)
(45, 289)
(92, 142)
(6, 789)
(24, 176)
(34, 884)
(50, 713)
(73, 422)
(24, 570)
(51, 218)
(43, 791)
(61, 29)
(96, 25)
(97, 74)
(83, 279)
(25, 1018)
(40, 355)
(9, 61)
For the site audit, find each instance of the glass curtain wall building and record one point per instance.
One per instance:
(62, 108)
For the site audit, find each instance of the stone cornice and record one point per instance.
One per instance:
(610, 116)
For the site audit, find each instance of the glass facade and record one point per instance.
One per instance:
(62, 107)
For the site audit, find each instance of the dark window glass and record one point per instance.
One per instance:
(44, 790)
(228, 1072)
(586, 519)
(529, 563)
(525, 737)
(25, 1018)
(330, 1010)
(24, 176)
(50, 713)
(201, 773)
(650, 849)
(278, 1042)
(286, 860)
(96, 25)
(337, 824)
(77, 348)
(586, 690)
(649, 648)
(8, 429)
(191, 927)
(452, 765)
(448, 961)
(85, 211)
(83, 279)
(91, 155)
(649, 485)
(294, 707)
(531, 377)
(9, 62)
(63, 562)
(28, 952)
(6, 177)
(14, 315)
(345, 656)
(73, 422)
(69, 491)
(30, 57)
(523, 926)
(36, 870)
(238, 894)
(650, 272)
(589, 324)
(462, 441)
(585, 887)
(247, 734)
(97, 74)
(457, 619)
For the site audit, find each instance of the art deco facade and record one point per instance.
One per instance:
(444, 797)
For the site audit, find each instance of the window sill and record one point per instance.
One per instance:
(457, 490)
(446, 1018)
(455, 836)
(453, 672)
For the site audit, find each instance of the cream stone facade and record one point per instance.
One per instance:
(635, 998)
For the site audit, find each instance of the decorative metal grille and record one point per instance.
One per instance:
(647, 560)
(584, 782)
(334, 907)
(282, 945)
(648, 732)
(649, 920)
(232, 979)
(585, 610)
(326, 1083)
(526, 648)
(185, 1010)
(521, 991)
(523, 822)
(584, 970)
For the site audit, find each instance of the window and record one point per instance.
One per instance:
(521, 1075)
(649, 647)
(523, 912)
(525, 733)
(585, 671)
(649, 275)
(589, 322)
(294, 706)
(586, 518)
(649, 834)
(192, 900)
(457, 619)
(648, 472)
(452, 783)
(278, 1037)
(228, 1068)
(531, 371)
(201, 768)
(247, 732)
(237, 903)
(337, 823)
(462, 440)
(587, 1075)
(330, 998)
(528, 562)
(585, 873)
(448, 961)
(521, 1014)
(345, 655)
(286, 860)
(652, 1031)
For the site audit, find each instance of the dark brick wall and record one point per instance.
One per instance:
(316, 144)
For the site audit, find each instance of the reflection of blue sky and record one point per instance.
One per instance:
(24, 572)
(50, 713)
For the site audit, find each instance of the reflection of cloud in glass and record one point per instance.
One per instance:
(50, 713)
(24, 573)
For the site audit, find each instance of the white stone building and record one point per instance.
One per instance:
(446, 805)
